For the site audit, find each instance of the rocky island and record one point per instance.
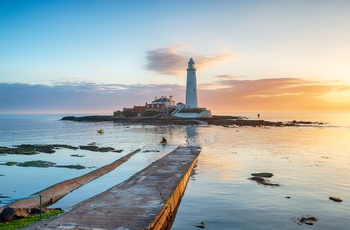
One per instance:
(226, 121)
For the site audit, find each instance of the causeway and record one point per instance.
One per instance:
(147, 200)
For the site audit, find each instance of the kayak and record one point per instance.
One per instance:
(163, 142)
(100, 131)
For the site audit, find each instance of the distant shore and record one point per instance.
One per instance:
(226, 121)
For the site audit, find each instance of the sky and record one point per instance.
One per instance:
(98, 56)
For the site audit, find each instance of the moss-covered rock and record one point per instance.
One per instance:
(38, 163)
(77, 166)
(4, 149)
(11, 163)
(95, 148)
(58, 146)
(43, 164)
(28, 149)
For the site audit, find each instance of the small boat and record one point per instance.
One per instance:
(163, 142)
(100, 131)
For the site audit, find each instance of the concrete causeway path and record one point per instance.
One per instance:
(147, 200)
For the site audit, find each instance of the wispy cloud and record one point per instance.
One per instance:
(226, 76)
(207, 61)
(224, 95)
(79, 98)
(274, 94)
(172, 60)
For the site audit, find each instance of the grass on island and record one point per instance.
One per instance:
(21, 223)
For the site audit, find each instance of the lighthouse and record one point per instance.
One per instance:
(191, 86)
(190, 109)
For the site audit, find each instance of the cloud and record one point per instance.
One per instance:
(207, 61)
(166, 61)
(79, 98)
(223, 95)
(171, 60)
(226, 76)
(273, 94)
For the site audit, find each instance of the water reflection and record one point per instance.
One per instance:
(311, 164)
(191, 135)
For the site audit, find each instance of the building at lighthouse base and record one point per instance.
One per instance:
(203, 113)
(183, 112)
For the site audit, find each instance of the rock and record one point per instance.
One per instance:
(77, 155)
(335, 199)
(39, 163)
(69, 118)
(77, 166)
(263, 181)
(45, 149)
(28, 149)
(95, 148)
(23, 149)
(4, 149)
(96, 118)
(262, 174)
(150, 151)
(13, 213)
(106, 149)
(200, 225)
(65, 146)
(46, 164)
(89, 147)
(118, 151)
(258, 179)
(1, 196)
(309, 220)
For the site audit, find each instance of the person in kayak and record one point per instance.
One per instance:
(164, 140)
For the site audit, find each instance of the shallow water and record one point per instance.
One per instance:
(310, 164)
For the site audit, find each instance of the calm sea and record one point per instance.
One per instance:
(310, 163)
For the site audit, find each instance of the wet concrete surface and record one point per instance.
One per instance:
(147, 200)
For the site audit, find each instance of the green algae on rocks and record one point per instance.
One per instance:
(43, 164)
(28, 149)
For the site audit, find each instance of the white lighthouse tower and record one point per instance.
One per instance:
(191, 86)
(190, 109)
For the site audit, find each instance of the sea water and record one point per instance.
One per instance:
(310, 163)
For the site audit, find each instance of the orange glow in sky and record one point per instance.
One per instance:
(83, 56)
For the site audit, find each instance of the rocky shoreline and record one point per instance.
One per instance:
(226, 121)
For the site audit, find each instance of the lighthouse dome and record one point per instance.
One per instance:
(191, 64)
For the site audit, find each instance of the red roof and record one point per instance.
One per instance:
(139, 108)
